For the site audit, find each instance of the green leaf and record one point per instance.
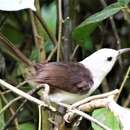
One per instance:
(88, 26)
(125, 2)
(88, 43)
(107, 118)
(49, 15)
(27, 126)
(12, 34)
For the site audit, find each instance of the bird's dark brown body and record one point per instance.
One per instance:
(71, 77)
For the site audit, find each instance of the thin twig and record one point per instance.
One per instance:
(33, 27)
(18, 86)
(39, 41)
(59, 2)
(14, 116)
(88, 117)
(19, 97)
(114, 31)
(113, 27)
(14, 51)
(25, 95)
(12, 112)
(3, 20)
(95, 97)
(9, 104)
(20, 107)
(123, 83)
(85, 115)
(74, 52)
(52, 53)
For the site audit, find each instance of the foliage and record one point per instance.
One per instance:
(86, 28)
(109, 119)
(26, 126)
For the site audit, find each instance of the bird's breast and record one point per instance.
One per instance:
(66, 97)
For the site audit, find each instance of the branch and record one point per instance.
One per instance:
(9, 104)
(74, 52)
(114, 30)
(14, 51)
(113, 27)
(14, 116)
(18, 86)
(3, 20)
(12, 112)
(52, 53)
(25, 95)
(39, 102)
(20, 107)
(85, 115)
(95, 97)
(38, 38)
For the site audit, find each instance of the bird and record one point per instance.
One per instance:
(96, 67)
(70, 82)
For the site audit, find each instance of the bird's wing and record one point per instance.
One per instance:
(72, 77)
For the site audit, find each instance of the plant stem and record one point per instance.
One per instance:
(39, 34)
(123, 83)
(59, 4)
(114, 31)
(12, 112)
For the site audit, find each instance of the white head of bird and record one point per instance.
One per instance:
(100, 64)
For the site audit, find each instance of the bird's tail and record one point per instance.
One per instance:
(15, 52)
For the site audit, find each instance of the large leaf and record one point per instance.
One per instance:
(88, 26)
(49, 15)
(88, 43)
(107, 118)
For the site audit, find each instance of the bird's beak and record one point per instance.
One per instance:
(122, 51)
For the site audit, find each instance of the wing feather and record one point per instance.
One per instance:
(72, 77)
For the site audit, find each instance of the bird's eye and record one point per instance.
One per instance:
(109, 58)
